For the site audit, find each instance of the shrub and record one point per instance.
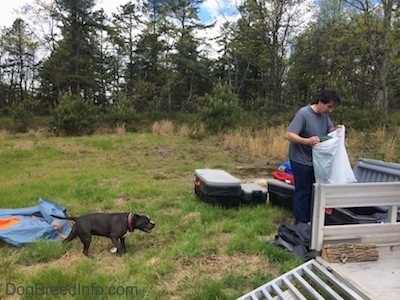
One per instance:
(120, 113)
(221, 111)
(366, 118)
(74, 116)
(21, 118)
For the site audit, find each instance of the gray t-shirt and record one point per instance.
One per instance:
(307, 123)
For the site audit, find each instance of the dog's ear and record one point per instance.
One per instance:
(137, 216)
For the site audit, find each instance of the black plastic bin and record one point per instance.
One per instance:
(280, 193)
(253, 194)
(217, 187)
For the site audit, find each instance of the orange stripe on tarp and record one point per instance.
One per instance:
(8, 222)
(59, 227)
(57, 224)
(61, 236)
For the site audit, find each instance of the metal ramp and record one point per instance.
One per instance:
(311, 280)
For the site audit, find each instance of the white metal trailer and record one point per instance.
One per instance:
(319, 279)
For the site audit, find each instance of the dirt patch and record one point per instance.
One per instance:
(77, 150)
(24, 145)
(162, 152)
(100, 249)
(254, 174)
(171, 211)
(191, 217)
(259, 181)
(214, 266)
(121, 201)
(68, 259)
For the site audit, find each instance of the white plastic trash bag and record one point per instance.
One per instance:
(330, 160)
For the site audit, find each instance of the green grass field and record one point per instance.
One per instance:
(196, 251)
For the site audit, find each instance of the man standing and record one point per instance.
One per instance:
(308, 125)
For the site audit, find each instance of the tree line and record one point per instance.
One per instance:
(147, 57)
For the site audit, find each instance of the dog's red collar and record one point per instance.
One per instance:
(130, 222)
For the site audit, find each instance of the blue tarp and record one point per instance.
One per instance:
(26, 225)
(286, 167)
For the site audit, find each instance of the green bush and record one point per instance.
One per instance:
(21, 118)
(74, 116)
(221, 111)
(121, 112)
(365, 118)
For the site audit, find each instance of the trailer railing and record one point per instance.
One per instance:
(355, 195)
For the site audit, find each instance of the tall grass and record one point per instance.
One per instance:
(163, 127)
(168, 128)
(271, 144)
(267, 143)
(379, 144)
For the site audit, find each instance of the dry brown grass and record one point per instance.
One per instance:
(274, 143)
(4, 132)
(104, 129)
(234, 141)
(24, 145)
(385, 143)
(168, 128)
(184, 130)
(199, 130)
(390, 148)
(352, 142)
(163, 127)
(216, 266)
(271, 144)
(378, 144)
(120, 129)
(37, 133)
(267, 143)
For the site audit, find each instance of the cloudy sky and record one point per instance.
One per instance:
(210, 10)
(219, 11)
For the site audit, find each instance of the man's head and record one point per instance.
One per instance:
(327, 101)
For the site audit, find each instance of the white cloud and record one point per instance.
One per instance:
(110, 6)
(10, 10)
(220, 12)
(220, 8)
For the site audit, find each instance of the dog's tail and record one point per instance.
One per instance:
(65, 218)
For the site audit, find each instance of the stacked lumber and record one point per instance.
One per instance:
(348, 252)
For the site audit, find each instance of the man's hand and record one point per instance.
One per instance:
(312, 141)
(295, 138)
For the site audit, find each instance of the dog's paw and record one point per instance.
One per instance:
(113, 250)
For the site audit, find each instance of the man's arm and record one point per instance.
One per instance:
(295, 138)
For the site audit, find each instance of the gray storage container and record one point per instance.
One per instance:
(280, 193)
(217, 187)
(253, 193)
(372, 170)
(366, 170)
